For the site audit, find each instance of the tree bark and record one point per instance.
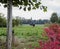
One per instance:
(13, 37)
(9, 25)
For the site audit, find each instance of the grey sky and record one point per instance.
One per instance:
(53, 6)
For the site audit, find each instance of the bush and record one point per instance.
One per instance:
(53, 42)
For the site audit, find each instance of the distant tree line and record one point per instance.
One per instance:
(19, 21)
(3, 21)
(30, 21)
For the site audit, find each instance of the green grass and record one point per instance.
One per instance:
(25, 30)
(27, 34)
(3, 31)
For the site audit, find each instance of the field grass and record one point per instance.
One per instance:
(27, 34)
(25, 30)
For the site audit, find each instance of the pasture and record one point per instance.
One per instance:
(26, 34)
(25, 30)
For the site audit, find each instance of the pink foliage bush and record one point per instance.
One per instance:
(53, 42)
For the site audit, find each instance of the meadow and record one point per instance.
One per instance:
(25, 30)
(26, 34)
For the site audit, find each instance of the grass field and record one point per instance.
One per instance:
(27, 34)
(25, 30)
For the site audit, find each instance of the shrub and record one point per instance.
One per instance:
(53, 42)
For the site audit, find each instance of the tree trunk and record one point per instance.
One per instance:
(9, 25)
(13, 37)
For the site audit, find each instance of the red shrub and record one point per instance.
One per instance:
(53, 33)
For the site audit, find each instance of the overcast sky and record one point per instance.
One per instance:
(53, 6)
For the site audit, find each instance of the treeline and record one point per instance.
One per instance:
(3, 21)
(30, 21)
(19, 21)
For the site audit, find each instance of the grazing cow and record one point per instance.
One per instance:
(32, 25)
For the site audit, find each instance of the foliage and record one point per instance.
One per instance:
(2, 20)
(26, 4)
(15, 22)
(30, 21)
(54, 18)
(53, 34)
(58, 19)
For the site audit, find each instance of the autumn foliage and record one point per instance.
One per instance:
(53, 34)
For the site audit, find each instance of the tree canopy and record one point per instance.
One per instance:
(26, 4)
(54, 18)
